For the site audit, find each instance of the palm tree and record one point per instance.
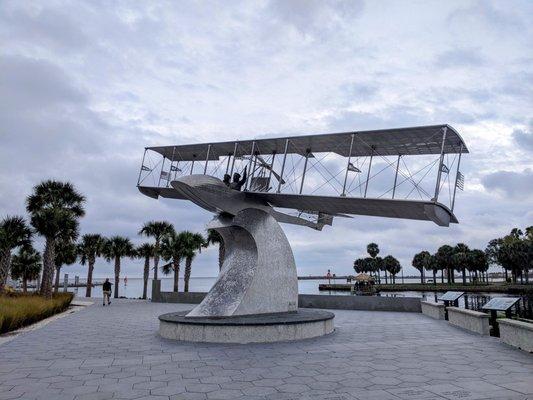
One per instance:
(359, 265)
(156, 229)
(478, 261)
(13, 233)
(90, 247)
(55, 207)
(65, 255)
(115, 248)
(26, 265)
(444, 260)
(192, 242)
(146, 251)
(392, 265)
(433, 266)
(373, 250)
(172, 250)
(420, 262)
(213, 237)
(460, 259)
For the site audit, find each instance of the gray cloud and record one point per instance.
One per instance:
(460, 58)
(524, 139)
(514, 184)
(43, 26)
(315, 17)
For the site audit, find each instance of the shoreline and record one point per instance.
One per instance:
(519, 289)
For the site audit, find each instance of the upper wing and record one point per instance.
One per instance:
(386, 142)
(408, 209)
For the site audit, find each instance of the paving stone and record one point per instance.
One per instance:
(95, 396)
(149, 385)
(525, 387)
(259, 390)
(224, 394)
(372, 355)
(201, 387)
(171, 389)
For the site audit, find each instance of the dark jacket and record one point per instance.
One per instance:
(237, 185)
(106, 287)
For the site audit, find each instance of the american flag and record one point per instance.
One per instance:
(460, 181)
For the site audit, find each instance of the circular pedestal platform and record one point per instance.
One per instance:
(259, 328)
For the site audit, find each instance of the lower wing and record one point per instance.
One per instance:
(408, 209)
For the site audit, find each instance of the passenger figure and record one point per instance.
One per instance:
(237, 181)
(106, 288)
(227, 180)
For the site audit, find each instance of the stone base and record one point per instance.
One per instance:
(260, 328)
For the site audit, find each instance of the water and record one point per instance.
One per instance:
(473, 301)
(134, 288)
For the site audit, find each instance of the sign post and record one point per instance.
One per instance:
(450, 298)
(499, 304)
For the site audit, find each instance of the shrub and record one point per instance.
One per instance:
(18, 310)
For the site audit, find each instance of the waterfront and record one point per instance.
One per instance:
(202, 284)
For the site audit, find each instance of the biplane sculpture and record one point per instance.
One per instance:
(258, 274)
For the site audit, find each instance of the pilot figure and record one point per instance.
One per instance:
(227, 179)
(237, 181)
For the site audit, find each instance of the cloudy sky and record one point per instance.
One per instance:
(84, 86)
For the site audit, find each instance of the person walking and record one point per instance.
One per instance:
(106, 288)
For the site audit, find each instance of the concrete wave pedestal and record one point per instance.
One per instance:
(255, 297)
(260, 328)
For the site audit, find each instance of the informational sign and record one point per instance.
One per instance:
(451, 296)
(501, 303)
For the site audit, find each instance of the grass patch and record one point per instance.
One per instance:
(18, 310)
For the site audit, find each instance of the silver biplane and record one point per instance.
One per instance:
(288, 173)
(312, 179)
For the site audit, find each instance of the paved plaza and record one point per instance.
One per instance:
(115, 352)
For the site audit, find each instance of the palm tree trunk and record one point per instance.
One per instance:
(176, 265)
(442, 275)
(90, 270)
(24, 284)
(187, 276)
(505, 272)
(5, 263)
(434, 277)
(386, 279)
(156, 258)
(221, 255)
(146, 276)
(422, 276)
(56, 285)
(117, 276)
(48, 268)
(464, 276)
